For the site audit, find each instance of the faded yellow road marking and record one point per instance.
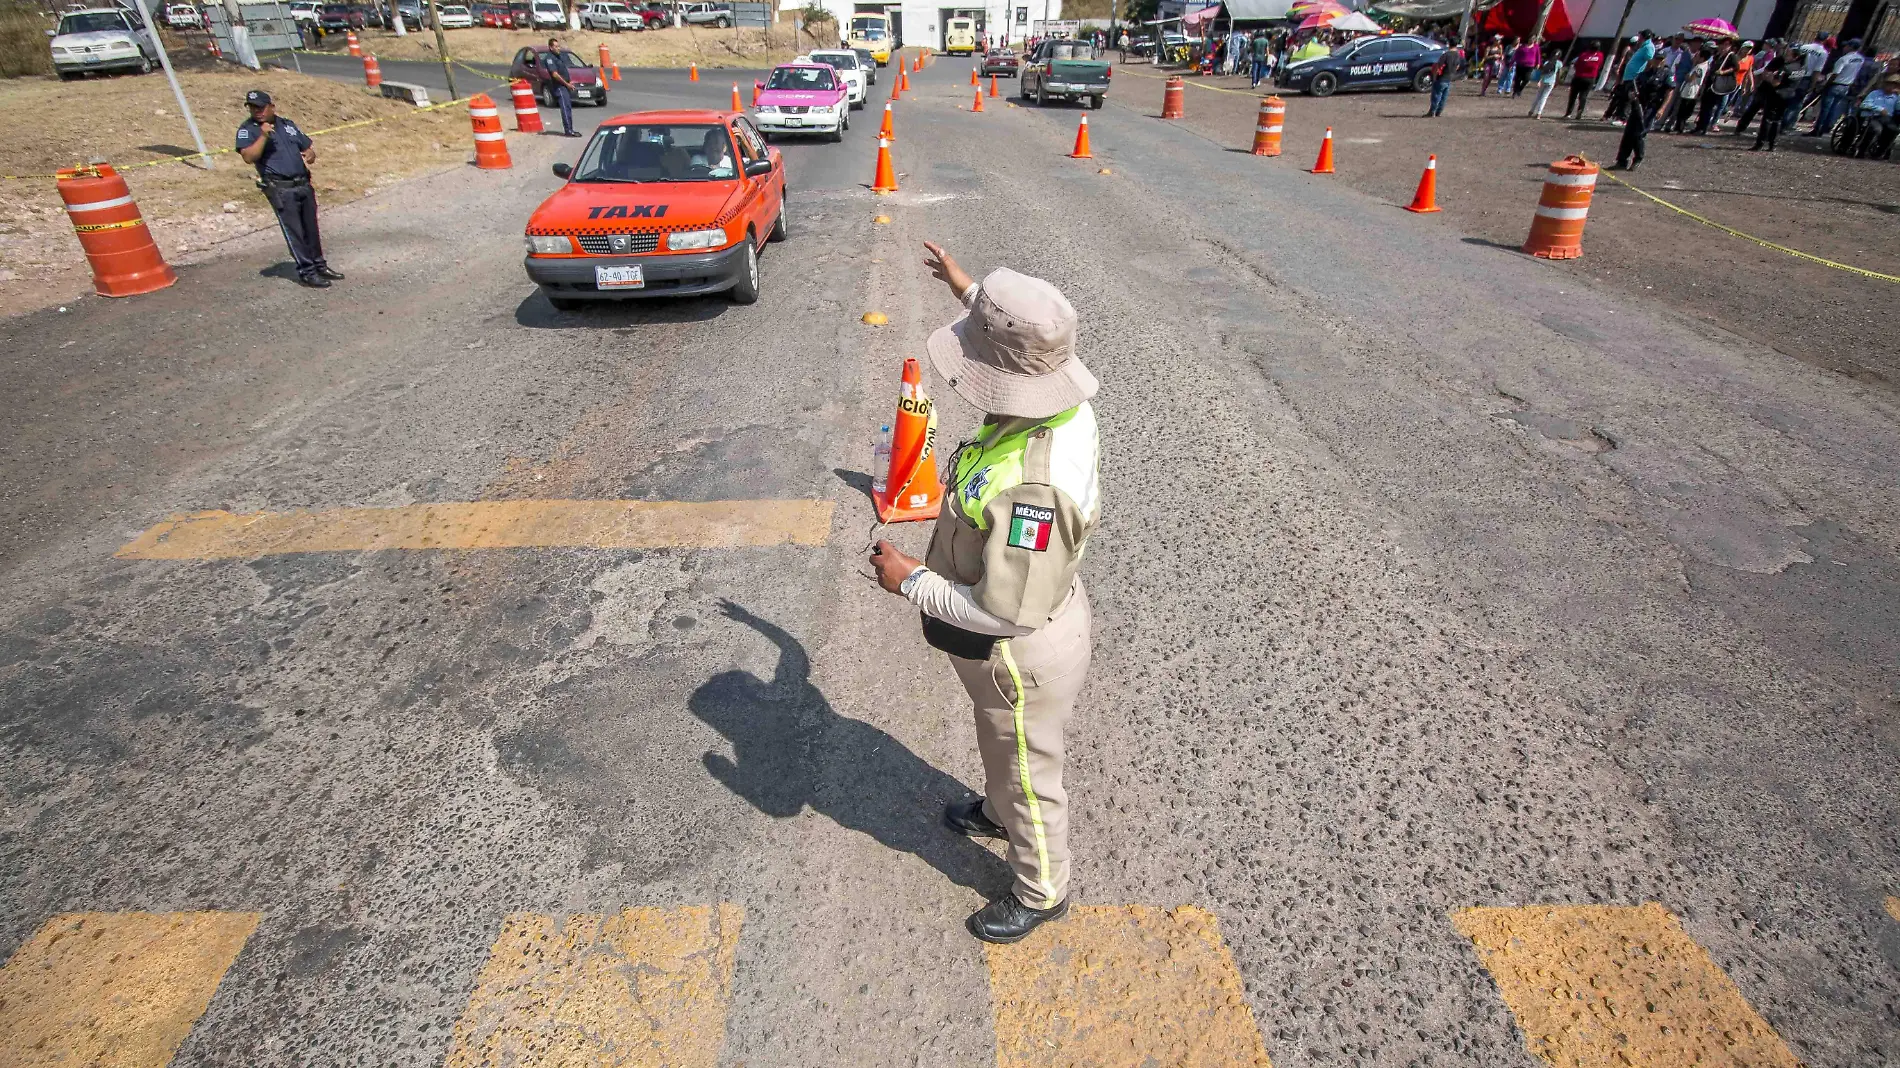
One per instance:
(114, 989)
(1600, 985)
(644, 988)
(1893, 907)
(487, 525)
(1114, 987)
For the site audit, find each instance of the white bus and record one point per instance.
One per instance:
(959, 36)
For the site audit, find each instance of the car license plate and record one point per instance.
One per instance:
(794, 122)
(94, 59)
(628, 277)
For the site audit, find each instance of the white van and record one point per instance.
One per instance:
(549, 15)
(959, 36)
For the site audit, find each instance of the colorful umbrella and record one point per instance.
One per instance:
(1318, 21)
(1307, 8)
(1712, 28)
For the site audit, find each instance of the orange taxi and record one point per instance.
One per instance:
(662, 203)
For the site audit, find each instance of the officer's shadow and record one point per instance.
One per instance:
(794, 751)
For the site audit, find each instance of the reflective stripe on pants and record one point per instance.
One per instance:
(1023, 695)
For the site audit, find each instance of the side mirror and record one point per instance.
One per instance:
(52, 33)
(758, 168)
(562, 170)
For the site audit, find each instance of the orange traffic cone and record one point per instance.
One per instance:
(992, 87)
(885, 131)
(1426, 199)
(885, 181)
(911, 487)
(692, 72)
(903, 80)
(1082, 141)
(978, 105)
(355, 46)
(756, 87)
(736, 105)
(1325, 162)
(973, 76)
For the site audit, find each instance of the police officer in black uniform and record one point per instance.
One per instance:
(282, 155)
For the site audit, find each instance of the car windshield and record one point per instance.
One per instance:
(454, 9)
(870, 30)
(91, 22)
(838, 60)
(802, 79)
(1071, 50)
(614, 9)
(669, 153)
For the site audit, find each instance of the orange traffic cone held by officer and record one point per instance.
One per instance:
(885, 132)
(885, 180)
(1557, 228)
(1324, 165)
(118, 245)
(912, 489)
(491, 145)
(1426, 199)
(1266, 131)
(527, 116)
(1082, 141)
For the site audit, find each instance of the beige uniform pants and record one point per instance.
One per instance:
(1023, 695)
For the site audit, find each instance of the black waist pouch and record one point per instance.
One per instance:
(952, 639)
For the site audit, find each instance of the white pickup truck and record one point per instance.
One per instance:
(705, 14)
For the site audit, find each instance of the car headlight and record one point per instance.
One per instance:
(686, 239)
(768, 109)
(541, 245)
(59, 50)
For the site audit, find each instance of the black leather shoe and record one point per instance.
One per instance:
(966, 817)
(331, 273)
(313, 281)
(1008, 920)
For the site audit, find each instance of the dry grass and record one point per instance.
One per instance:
(653, 48)
(127, 120)
(23, 44)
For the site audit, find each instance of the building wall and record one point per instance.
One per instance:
(923, 19)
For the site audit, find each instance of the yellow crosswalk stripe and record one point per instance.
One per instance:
(1611, 986)
(642, 988)
(487, 525)
(1110, 987)
(114, 989)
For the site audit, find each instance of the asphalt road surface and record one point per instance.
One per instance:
(1489, 670)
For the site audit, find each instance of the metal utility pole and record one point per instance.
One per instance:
(442, 47)
(1622, 24)
(1740, 6)
(172, 77)
(1543, 16)
(1464, 24)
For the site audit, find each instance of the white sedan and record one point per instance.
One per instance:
(455, 17)
(100, 39)
(849, 67)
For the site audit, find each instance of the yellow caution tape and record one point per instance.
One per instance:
(1732, 232)
(121, 167)
(87, 228)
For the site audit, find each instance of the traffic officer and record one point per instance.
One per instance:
(998, 589)
(560, 84)
(282, 155)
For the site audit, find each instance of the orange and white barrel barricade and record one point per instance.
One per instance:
(491, 145)
(1267, 131)
(125, 261)
(527, 115)
(356, 47)
(1557, 228)
(372, 72)
(1171, 98)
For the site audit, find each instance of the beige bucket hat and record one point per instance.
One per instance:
(1014, 353)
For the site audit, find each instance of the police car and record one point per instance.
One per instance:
(1401, 61)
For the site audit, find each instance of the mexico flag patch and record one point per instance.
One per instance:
(1029, 527)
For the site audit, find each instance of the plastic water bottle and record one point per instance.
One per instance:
(881, 460)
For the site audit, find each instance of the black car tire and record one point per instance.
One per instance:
(1323, 84)
(722, 22)
(1096, 103)
(747, 291)
(69, 75)
(1422, 81)
(780, 229)
(1042, 96)
(1022, 88)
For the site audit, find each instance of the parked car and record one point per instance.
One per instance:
(1398, 62)
(588, 86)
(707, 14)
(305, 10)
(337, 18)
(183, 17)
(493, 16)
(101, 39)
(520, 15)
(548, 15)
(371, 15)
(1002, 61)
(803, 98)
(1065, 70)
(656, 14)
(411, 12)
(612, 16)
(455, 16)
(661, 204)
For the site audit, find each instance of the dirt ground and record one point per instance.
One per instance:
(1491, 161)
(129, 120)
(708, 47)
